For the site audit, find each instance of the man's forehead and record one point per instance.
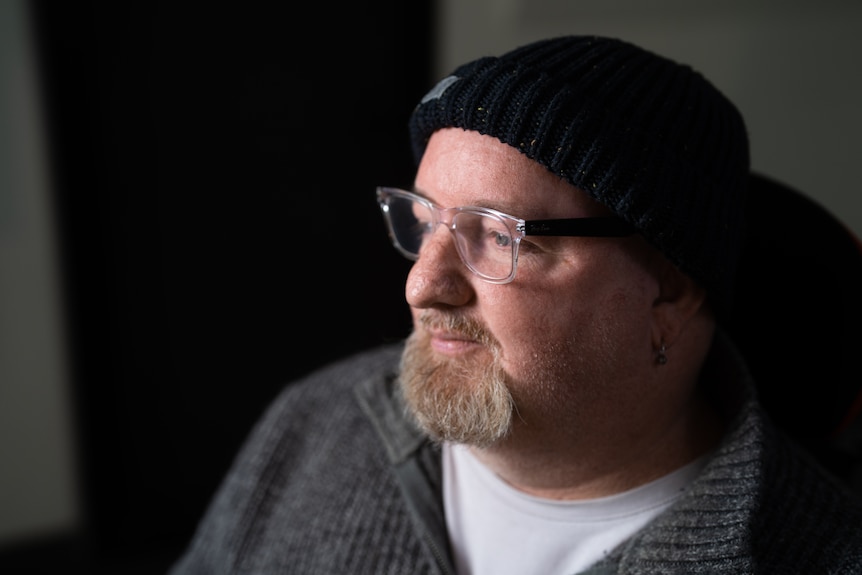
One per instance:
(464, 167)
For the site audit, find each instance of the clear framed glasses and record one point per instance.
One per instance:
(487, 240)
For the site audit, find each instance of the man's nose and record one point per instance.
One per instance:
(438, 277)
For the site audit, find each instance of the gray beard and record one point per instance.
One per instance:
(461, 401)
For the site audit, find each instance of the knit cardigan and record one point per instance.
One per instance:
(334, 479)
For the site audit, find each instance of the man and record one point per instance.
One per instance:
(568, 401)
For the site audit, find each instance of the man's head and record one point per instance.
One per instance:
(647, 137)
(568, 350)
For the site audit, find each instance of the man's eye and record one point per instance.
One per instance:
(502, 240)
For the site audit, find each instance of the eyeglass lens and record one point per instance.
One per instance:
(483, 240)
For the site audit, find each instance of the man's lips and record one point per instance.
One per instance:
(451, 343)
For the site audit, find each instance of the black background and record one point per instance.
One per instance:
(214, 169)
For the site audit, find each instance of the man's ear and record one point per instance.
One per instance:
(680, 299)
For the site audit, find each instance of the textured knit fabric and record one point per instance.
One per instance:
(647, 137)
(335, 480)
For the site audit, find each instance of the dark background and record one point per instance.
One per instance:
(214, 170)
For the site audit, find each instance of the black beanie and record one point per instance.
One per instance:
(647, 137)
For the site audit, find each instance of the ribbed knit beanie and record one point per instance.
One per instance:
(649, 138)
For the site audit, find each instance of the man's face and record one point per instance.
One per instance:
(563, 346)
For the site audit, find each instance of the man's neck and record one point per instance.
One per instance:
(563, 469)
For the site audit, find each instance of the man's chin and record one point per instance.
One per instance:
(459, 399)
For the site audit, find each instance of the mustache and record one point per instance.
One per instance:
(457, 324)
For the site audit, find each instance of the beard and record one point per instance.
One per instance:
(462, 400)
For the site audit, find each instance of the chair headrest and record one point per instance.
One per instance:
(798, 312)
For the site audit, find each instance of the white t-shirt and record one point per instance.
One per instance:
(496, 529)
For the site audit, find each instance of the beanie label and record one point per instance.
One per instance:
(438, 90)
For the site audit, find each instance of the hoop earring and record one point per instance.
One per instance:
(662, 356)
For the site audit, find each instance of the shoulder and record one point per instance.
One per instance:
(334, 381)
(312, 473)
(808, 516)
(360, 364)
(329, 389)
(311, 434)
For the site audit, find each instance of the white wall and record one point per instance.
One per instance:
(793, 67)
(38, 493)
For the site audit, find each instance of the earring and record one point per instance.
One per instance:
(662, 356)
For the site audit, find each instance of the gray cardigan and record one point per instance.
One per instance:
(334, 480)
